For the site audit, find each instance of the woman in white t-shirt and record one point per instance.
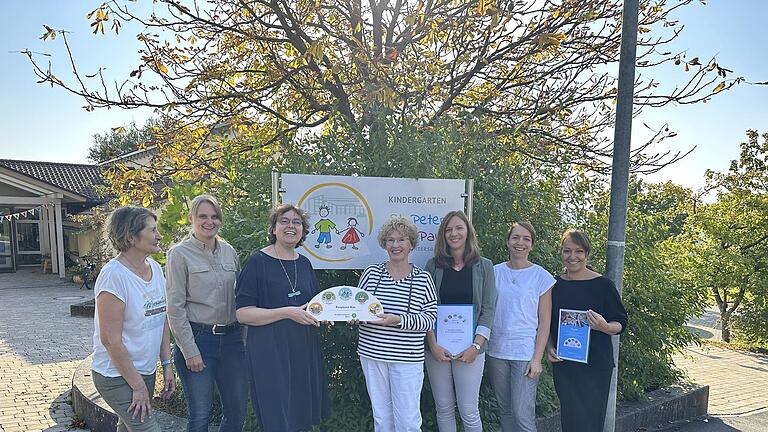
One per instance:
(131, 331)
(520, 330)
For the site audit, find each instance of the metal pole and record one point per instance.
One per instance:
(469, 188)
(617, 222)
(275, 188)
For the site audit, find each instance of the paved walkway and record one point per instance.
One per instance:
(40, 347)
(737, 380)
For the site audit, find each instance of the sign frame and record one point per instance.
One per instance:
(331, 231)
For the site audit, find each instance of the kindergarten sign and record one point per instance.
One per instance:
(345, 214)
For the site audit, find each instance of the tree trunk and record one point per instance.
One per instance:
(725, 325)
(377, 141)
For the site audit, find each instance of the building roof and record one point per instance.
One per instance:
(81, 179)
(131, 156)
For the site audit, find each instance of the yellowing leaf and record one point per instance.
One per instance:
(720, 87)
(49, 33)
(481, 7)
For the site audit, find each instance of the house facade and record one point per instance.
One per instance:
(37, 203)
(37, 200)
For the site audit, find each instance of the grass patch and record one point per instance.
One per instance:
(738, 346)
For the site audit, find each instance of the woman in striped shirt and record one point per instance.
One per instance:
(391, 348)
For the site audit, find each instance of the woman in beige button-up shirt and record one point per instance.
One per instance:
(200, 291)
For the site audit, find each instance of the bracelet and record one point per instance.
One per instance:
(166, 362)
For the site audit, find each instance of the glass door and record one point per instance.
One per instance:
(6, 245)
(28, 250)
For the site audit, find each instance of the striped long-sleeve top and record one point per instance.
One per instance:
(413, 299)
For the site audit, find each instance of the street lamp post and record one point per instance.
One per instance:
(617, 222)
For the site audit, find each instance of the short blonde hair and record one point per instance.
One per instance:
(402, 225)
(205, 198)
(127, 222)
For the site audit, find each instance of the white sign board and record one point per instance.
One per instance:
(345, 303)
(345, 214)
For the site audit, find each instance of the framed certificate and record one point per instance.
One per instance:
(345, 303)
(573, 335)
(455, 327)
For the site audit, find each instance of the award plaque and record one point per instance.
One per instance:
(345, 303)
(573, 335)
(455, 327)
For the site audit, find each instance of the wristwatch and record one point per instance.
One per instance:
(170, 361)
(476, 345)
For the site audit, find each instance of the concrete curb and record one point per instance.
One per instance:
(97, 415)
(87, 402)
(84, 309)
(679, 402)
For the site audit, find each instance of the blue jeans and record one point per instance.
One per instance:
(224, 359)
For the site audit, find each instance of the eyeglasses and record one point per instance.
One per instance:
(286, 221)
(394, 241)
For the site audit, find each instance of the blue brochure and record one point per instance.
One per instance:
(573, 335)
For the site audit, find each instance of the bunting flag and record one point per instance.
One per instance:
(33, 211)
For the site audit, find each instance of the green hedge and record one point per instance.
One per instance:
(508, 187)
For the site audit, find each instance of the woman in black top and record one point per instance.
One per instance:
(461, 276)
(583, 387)
(289, 387)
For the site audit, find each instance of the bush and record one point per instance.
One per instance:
(751, 322)
(508, 187)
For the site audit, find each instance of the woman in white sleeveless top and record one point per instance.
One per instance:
(131, 331)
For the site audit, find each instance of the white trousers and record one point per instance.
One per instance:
(456, 383)
(395, 393)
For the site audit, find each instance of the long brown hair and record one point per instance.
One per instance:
(443, 257)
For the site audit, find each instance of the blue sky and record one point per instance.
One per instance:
(734, 32)
(41, 123)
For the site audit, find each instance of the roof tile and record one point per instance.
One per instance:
(81, 179)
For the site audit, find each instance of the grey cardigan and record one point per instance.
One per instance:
(483, 292)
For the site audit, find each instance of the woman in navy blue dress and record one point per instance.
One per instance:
(583, 387)
(289, 387)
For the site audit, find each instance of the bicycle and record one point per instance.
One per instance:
(87, 271)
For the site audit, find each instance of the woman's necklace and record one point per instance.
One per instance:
(457, 265)
(138, 271)
(398, 274)
(295, 282)
(514, 274)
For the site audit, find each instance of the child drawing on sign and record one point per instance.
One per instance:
(324, 225)
(352, 234)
